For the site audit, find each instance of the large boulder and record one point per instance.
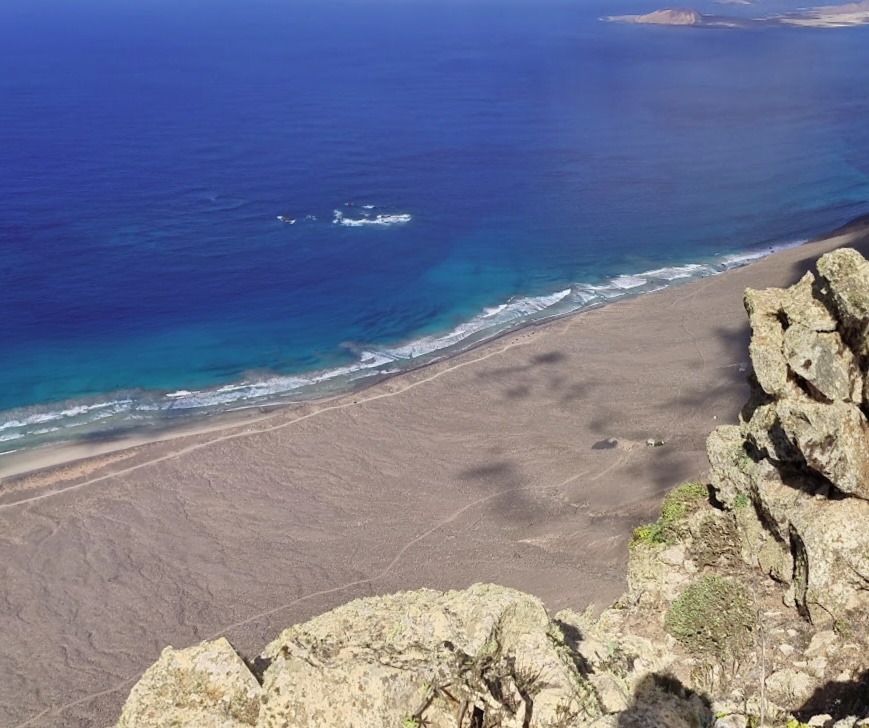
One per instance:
(824, 363)
(767, 340)
(802, 306)
(800, 456)
(817, 545)
(207, 685)
(427, 658)
(833, 439)
(845, 287)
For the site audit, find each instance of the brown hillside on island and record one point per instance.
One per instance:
(683, 17)
(675, 16)
(523, 463)
(825, 16)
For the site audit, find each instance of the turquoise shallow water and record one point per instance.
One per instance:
(453, 169)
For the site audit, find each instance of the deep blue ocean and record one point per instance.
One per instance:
(452, 167)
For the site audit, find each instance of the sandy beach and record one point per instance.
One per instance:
(523, 462)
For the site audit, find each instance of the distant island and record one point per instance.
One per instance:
(826, 16)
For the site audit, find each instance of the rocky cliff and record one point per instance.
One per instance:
(748, 599)
(486, 656)
(800, 456)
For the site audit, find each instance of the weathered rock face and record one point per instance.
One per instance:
(845, 276)
(408, 659)
(443, 655)
(206, 685)
(801, 454)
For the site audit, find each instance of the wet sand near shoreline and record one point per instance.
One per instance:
(522, 462)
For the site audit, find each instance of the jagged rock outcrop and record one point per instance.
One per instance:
(408, 659)
(687, 646)
(206, 685)
(800, 456)
(702, 638)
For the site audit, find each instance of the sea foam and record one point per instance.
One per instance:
(368, 218)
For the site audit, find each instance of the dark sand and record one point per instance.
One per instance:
(492, 466)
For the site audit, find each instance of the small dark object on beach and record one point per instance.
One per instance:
(605, 444)
(652, 442)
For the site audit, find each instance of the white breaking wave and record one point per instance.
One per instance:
(277, 385)
(366, 216)
(492, 320)
(676, 272)
(367, 219)
(40, 418)
(627, 282)
(46, 430)
(494, 310)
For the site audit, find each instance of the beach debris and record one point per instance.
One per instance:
(652, 442)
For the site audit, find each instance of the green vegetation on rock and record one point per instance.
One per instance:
(682, 501)
(712, 617)
(678, 504)
(794, 723)
(649, 534)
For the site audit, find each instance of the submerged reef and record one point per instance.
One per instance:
(747, 601)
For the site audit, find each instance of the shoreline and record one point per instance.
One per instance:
(34, 459)
(139, 415)
(523, 463)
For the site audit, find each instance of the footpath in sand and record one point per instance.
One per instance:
(522, 463)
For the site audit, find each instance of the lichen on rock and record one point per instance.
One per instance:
(407, 659)
(205, 685)
(427, 657)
